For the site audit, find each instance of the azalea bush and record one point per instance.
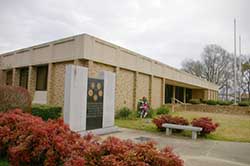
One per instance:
(206, 124)
(28, 140)
(12, 97)
(158, 121)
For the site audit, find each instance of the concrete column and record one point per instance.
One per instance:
(163, 90)
(29, 78)
(184, 99)
(108, 98)
(136, 90)
(151, 89)
(75, 98)
(49, 83)
(32, 81)
(13, 76)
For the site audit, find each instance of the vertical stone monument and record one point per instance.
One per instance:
(89, 102)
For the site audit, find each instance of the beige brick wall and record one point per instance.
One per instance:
(205, 94)
(81, 62)
(143, 86)
(124, 94)
(95, 68)
(197, 94)
(58, 75)
(156, 92)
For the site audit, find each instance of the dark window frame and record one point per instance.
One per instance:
(38, 68)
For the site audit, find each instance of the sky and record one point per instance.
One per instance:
(169, 31)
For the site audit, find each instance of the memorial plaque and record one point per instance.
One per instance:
(94, 103)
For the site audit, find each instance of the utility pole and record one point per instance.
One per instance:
(235, 89)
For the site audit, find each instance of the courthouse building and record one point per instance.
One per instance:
(41, 69)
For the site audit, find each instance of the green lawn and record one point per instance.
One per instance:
(232, 127)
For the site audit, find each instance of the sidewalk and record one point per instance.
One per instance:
(195, 153)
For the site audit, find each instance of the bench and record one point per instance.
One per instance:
(170, 126)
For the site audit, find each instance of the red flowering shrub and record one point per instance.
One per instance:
(12, 97)
(28, 140)
(159, 120)
(206, 124)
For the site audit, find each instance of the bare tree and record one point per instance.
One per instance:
(215, 65)
(193, 67)
(246, 76)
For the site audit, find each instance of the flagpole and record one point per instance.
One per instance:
(240, 73)
(235, 89)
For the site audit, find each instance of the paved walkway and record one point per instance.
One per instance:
(195, 153)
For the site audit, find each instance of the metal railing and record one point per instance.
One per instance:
(174, 100)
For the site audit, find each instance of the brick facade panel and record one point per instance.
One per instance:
(58, 76)
(143, 86)
(156, 92)
(124, 91)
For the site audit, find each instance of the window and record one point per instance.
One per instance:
(168, 93)
(179, 93)
(41, 78)
(188, 94)
(24, 73)
(9, 77)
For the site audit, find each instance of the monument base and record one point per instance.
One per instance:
(100, 131)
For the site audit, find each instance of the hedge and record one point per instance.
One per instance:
(221, 102)
(244, 103)
(46, 111)
(194, 101)
(211, 102)
(28, 140)
(162, 110)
